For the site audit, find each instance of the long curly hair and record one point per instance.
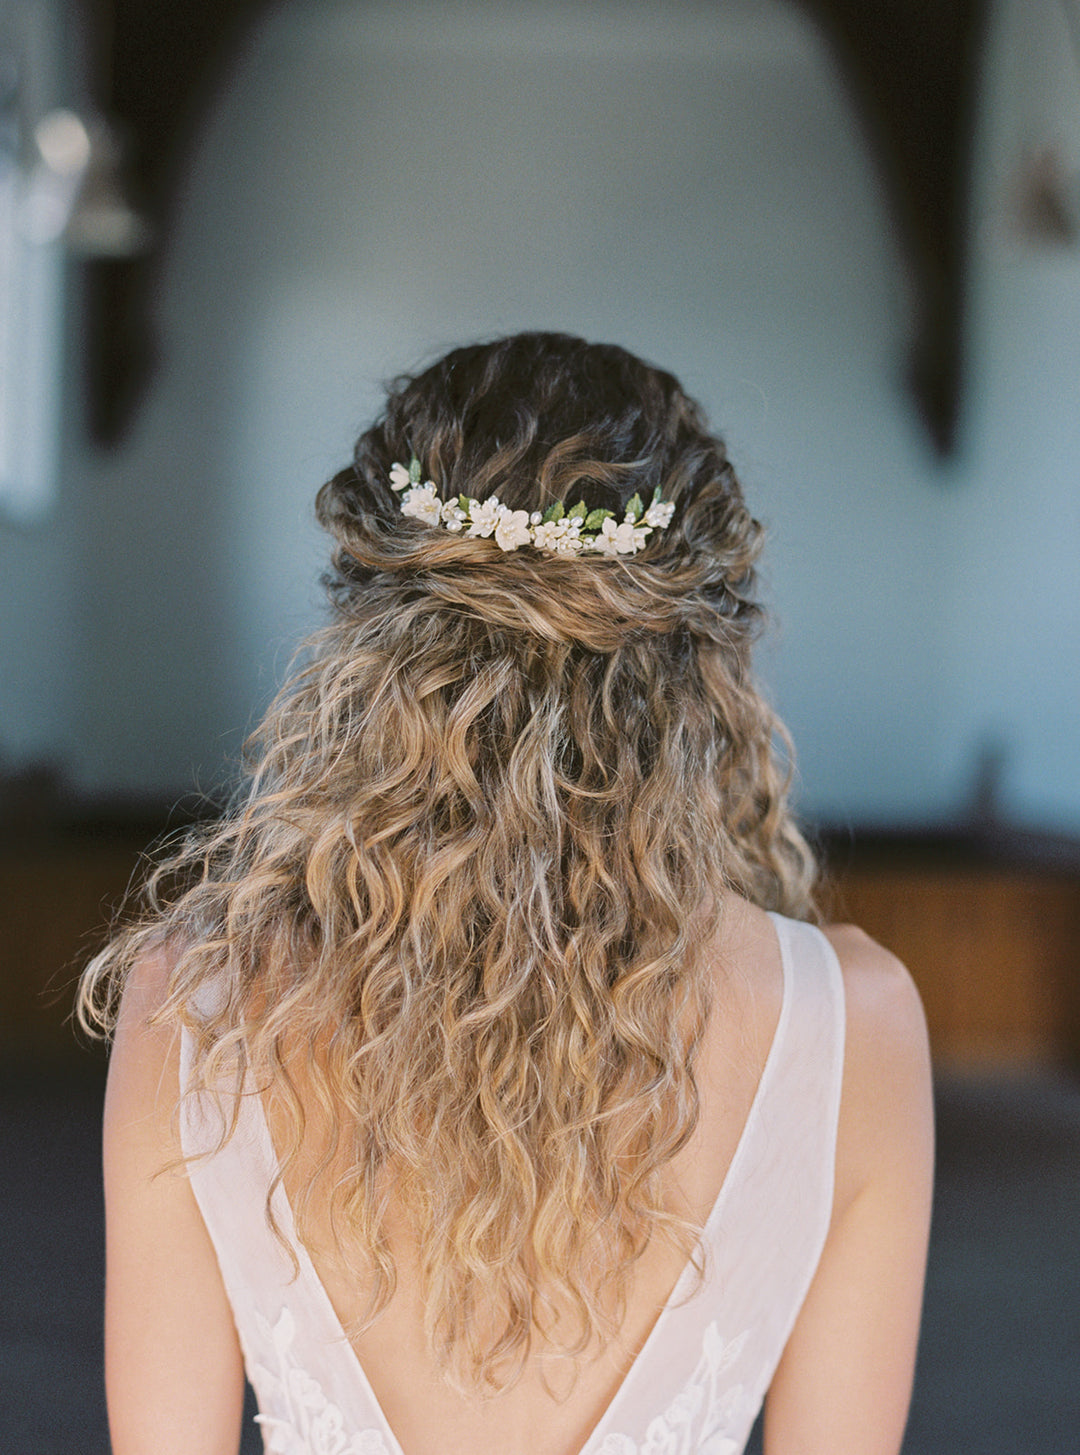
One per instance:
(474, 873)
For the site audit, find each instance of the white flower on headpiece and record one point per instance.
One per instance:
(453, 517)
(547, 535)
(512, 529)
(619, 540)
(558, 537)
(659, 513)
(402, 476)
(484, 518)
(422, 503)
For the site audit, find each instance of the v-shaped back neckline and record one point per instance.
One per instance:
(283, 1214)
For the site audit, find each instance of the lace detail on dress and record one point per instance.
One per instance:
(303, 1421)
(701, 1417)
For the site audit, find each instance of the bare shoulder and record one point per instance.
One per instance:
(887, 1110)
(173, 1367)
(844, 1382)
(883, 1004)
(142, 1088)
(146, 988)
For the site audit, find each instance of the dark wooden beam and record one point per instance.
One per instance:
(912, 68)
(155, 66)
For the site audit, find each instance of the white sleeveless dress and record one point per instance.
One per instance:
(697, 1383)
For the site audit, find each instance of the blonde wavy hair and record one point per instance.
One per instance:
(475, 867)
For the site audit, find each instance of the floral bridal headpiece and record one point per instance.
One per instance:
(557, 531)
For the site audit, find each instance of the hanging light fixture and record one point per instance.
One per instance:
(75, 190)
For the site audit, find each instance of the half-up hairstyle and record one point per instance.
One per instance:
(474, 875)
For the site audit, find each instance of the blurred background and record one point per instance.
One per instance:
(853, 231)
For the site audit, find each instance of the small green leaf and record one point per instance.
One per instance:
(579, 511)
(595, 519)
(655, 496)
(634, 508)
(463, 502)
(414, 471)
(554, 512)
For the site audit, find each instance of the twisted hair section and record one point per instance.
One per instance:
(475, 871)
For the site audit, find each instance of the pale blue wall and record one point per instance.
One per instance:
(377, 184)
(1012, 612)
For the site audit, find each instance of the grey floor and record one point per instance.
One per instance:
(999, 1366)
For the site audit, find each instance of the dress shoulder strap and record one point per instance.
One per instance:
(789, 1167)
(810, 1036)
